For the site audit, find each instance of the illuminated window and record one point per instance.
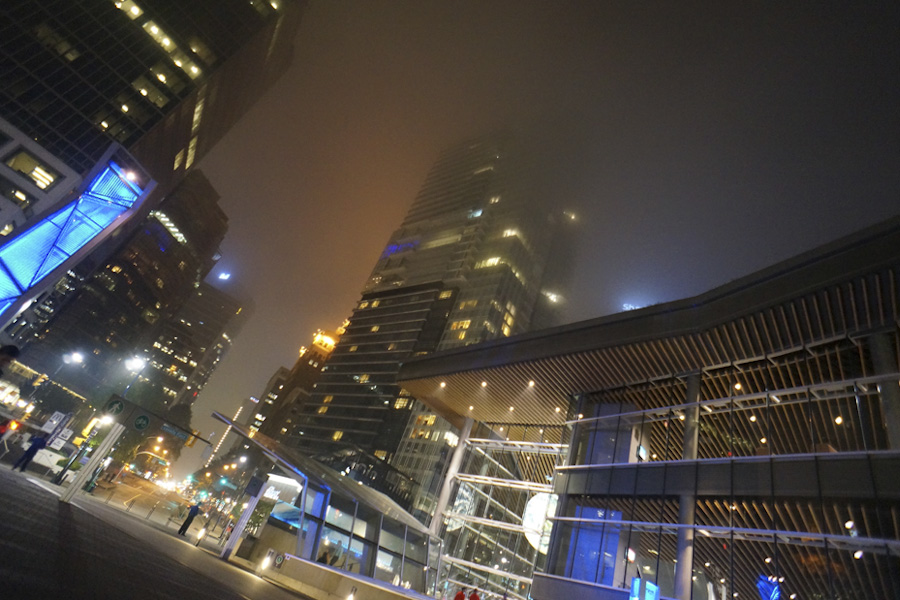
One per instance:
(364, 304)
(506, 330)
(468, 304)
(488, 262)
(28, 165)
(7, 229)
(163, 73)
(374, 328)
(198, 112)
(392, 346)
(494, 199)
(375, 303)
(425, 420)
(129, 8)
(14, 194)
(401, 403)
(260, 6)
(337, 435)
(456, 325)
(54, 41)
(327, 399)
(179, 158)
(202, 50)
(364, 378)
(445, 294)
(510, 233)
(382, 454)
(461, 336)
(353, 348)
(148, 90)
(322, 410)
(192, 152)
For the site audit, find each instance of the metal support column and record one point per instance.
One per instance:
(884, 359)
(688, 502)
(452, 472)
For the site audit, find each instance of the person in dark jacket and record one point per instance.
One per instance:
(36, 444)
(192, 512)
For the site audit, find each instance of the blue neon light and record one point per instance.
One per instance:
(47, 244)
(395, 248)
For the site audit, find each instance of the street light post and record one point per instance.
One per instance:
(73, 357)
(136, 365)
(58, 479)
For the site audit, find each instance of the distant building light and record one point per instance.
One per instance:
(224, 276)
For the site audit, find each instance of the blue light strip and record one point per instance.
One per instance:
(47, 244)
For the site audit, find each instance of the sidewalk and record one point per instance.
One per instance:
(87, 550)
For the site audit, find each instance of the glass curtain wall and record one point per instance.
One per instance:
(494, 534)
(788, 482)
(349, 535)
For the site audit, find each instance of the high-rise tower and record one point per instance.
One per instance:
(466, 265)
(165, 79)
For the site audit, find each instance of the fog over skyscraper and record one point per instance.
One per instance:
(466, 265)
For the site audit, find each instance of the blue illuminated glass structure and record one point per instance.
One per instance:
(768, 588)
(36, 252)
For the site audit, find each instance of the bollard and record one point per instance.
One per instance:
(130, 504)
(152, 509)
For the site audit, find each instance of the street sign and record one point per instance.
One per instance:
(53, 422)
(254, 486)
(142, 422)
(182, 435)
(114, 407)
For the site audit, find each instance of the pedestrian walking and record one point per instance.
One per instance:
(474, 595)
(37, 443)
(192, 512)
(460, 594)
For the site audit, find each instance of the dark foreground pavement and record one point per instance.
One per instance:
(87, 550)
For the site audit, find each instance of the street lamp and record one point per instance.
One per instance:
(136, 365)
(104, 420)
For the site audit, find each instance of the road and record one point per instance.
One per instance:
(92, 550)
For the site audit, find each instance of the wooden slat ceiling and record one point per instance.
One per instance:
(801, 341)
(796, 325)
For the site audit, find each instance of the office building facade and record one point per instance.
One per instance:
(120, 310)
(465, 266)
(739, 444)
(191, 345)
(164, 79)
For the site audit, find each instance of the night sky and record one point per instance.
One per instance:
(697, 141)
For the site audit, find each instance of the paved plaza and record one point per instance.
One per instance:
(90, 550)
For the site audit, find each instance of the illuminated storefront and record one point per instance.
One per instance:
(322, 517)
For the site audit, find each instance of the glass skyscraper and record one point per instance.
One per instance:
(466, 265)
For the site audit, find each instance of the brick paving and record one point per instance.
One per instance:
(88, 550)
